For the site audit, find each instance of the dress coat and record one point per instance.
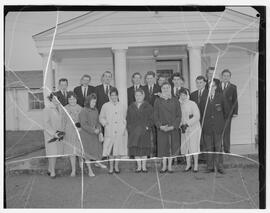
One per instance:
(167, 112)
(218, 84)
(151, 98)
(190, 142)
(52, 123)
(139, 123)
(89, 120)
(72, 142)
(79, 93)
(115, 133)
(131, 94)
(61, 98)
(215, 114)
(201, 102)
(102, 97)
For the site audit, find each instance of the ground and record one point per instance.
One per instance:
(238, 188)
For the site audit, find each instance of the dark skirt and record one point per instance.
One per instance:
(139, 151)
(168, 144)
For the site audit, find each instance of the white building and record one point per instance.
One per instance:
(188, 42)
(24, 100)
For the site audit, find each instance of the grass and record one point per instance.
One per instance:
(20, 142)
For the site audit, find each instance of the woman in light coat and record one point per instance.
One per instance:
(190, 129)
(52, 123)
(113, 118)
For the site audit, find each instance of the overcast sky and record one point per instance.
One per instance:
(20, 50)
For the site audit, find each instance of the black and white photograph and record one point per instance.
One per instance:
(134, 107)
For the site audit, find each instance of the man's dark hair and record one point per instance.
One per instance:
(178, 75)
(150, 73)
(63, 80)
(201, 77)
(226, 71)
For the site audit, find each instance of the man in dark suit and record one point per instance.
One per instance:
(103, 90)
(84, 90)
(62, 93)
(177, 83)
(209, 76)
(216, 112)
(230, 93)
(136, 81)
(200, 95)
(151, 89)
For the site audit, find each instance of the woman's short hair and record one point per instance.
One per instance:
(50, 97)
(113, 90)
(88, 99)
(165, 83)
(140, 91)
(71, 94)
(182, 91)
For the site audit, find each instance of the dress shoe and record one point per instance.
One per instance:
(163, 171)
(138, 170)
(110, 172)
(170, 171)
(117, 171)
(144, 170)
(221, 171)
(195, 170)
(188, 169)
(209, 170)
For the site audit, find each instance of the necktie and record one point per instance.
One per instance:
(199, 96)
(84, 93)
(176, 91)
(107, 90)
(151, 90)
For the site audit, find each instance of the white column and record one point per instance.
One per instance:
(195, 65)
(120, 73)
(47, 76)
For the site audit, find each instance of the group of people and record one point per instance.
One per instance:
(163, 119)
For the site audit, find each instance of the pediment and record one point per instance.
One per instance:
(120, 24)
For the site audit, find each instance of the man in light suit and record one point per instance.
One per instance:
(209, 77)
(230, 93)
(62, 93)
(84, 89)
(136, 81)
(103, 90)
(216, 112)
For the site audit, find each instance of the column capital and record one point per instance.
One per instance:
(195, 46)
(119, 48)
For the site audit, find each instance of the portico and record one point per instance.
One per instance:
(123, 42)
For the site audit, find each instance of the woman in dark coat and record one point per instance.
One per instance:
(139, 123)
(90, 132)
(167, 117)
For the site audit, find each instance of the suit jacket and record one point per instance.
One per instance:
(217, 83)
(230, 94)
(215, 115)
(79, 93)
(102, 98)
(151, 98)
(172, 89)
(63, 100)
(201, 105)
(131, 94)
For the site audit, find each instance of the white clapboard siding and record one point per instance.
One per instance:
(239, 64)
(74, 68)
(18, 115)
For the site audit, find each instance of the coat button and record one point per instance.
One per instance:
(115, 132)
(115, 122)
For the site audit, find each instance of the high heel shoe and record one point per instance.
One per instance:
(162, 171)
(188, 169)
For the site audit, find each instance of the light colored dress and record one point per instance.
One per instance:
(72, 142)
(190, 140)
(52, 123)
(115, 133)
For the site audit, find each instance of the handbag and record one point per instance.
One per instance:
(100, 137)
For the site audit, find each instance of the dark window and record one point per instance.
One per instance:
(36, 100)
